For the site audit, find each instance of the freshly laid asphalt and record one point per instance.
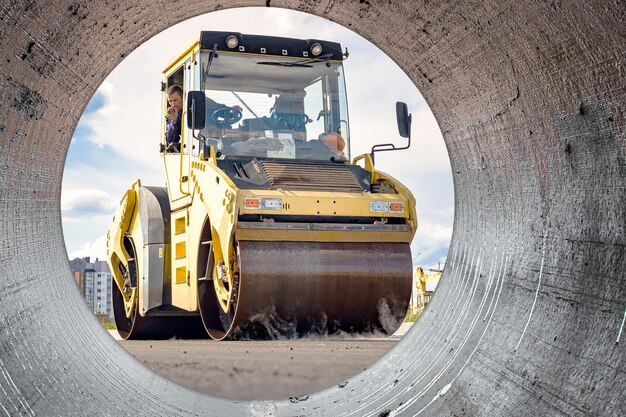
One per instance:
(261, 370)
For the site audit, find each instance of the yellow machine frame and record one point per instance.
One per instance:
(202, 194)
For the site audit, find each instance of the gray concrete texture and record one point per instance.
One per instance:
(530, 97)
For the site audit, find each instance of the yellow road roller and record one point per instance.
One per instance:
(266, 227)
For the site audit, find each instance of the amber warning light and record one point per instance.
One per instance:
(252, 203)
(396, 207)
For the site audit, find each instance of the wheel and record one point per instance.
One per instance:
(148, 327)
(125, 324)
(295, 121)
(217, 322)
(226, 116)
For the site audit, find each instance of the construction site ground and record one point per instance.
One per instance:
(258, 370)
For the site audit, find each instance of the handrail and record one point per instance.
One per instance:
(136, 183)
(369, 164)
(182, 154)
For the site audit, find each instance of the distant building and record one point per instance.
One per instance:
(102, 303)
(78, 268)
(89, 272)
(94, 281)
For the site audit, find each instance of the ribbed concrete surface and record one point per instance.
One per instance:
(530, 96)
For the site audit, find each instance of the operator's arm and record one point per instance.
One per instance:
(172, 131)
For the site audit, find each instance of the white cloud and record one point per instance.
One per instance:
(94, 249)
(431, 243)
(77, 202)
(435, 233)
(125, 122)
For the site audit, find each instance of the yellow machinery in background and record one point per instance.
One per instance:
(266, 227)
(426, 284)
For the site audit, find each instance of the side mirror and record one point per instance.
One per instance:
(404, 119)
(195, 110)
(404, 128)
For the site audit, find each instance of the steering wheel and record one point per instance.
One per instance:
(295, 121)
(226, 116)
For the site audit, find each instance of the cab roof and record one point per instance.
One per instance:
(261, 45)
(270, 45)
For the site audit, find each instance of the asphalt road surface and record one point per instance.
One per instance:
(261, 370)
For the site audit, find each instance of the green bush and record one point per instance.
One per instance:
(411, 317)
(109, 325)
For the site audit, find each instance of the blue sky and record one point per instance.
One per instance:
(116, 140)
(83, 152)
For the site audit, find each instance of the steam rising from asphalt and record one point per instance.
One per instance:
(387, 318)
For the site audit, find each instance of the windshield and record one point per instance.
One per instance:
(290, 108)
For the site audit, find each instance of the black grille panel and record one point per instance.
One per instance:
(311, 177)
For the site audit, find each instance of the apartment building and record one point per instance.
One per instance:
(94, 283)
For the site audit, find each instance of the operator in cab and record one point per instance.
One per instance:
(174, 117)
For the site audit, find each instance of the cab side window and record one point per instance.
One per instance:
(174, 79)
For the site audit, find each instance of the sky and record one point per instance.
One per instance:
(117, 138)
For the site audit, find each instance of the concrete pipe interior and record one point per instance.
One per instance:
(529, 316)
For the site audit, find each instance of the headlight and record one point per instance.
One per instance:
(379, 206)
(272, 203)
(316, 49)
(232, 41)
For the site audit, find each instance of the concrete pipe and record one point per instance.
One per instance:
(529, 315)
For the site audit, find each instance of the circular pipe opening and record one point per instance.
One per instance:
(127, 98)
(529, 97)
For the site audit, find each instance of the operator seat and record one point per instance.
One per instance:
(289, 108)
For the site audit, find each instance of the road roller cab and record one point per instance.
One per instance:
(266, 226)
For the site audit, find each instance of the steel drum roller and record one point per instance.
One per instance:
(298, 287)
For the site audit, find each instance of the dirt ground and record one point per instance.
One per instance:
(260, 370)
